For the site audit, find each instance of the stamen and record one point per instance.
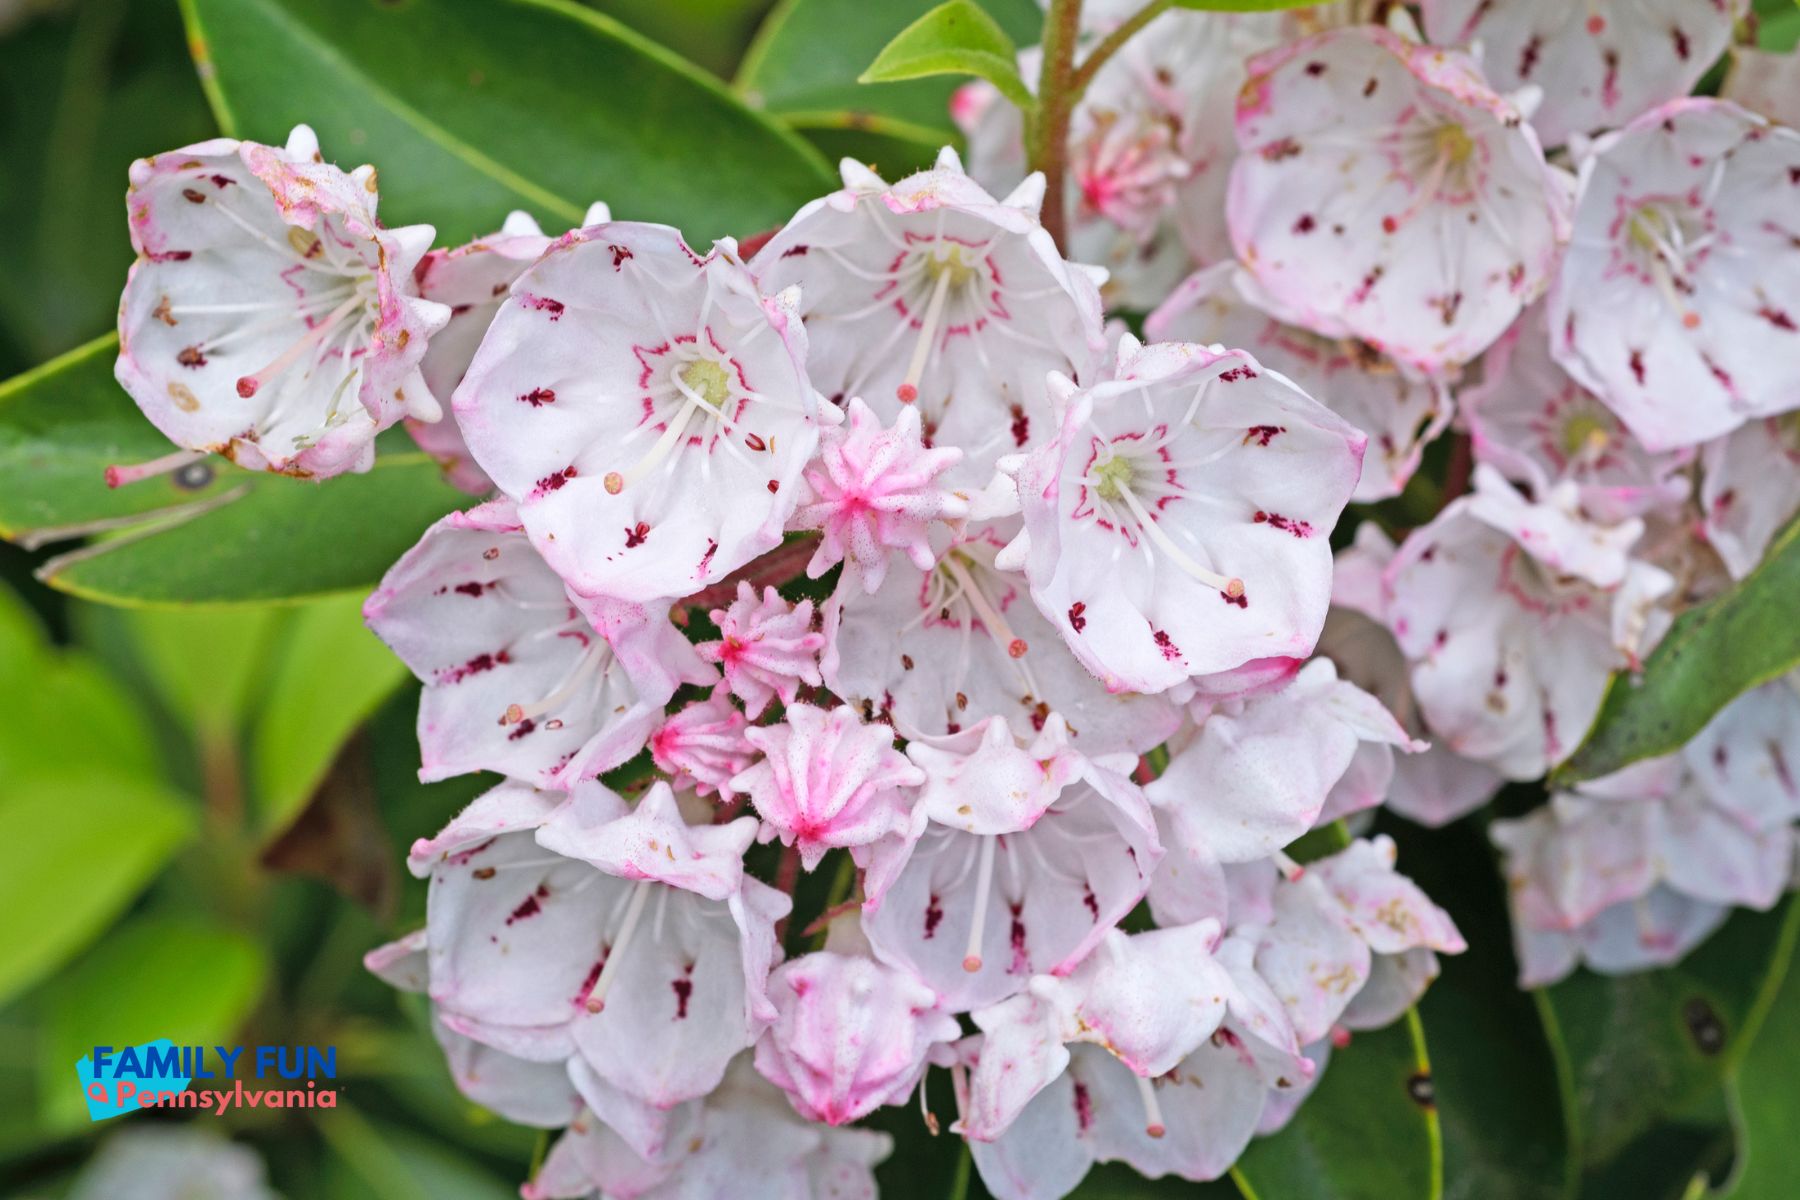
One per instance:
(984, 882)
(117, 476)
(984, 608)
(246, 387)
(908, 391)
(615, 953)
(577, 676)
(704, 387)
(925, 1113)
(1233, 587)
(1153, 1118)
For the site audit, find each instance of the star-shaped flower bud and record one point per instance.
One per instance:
(850, 1035)
(874, 491)
(930, 292)
(520, 678)
(939, 650)
(1140, 1054)
(1178, 524)
(472, 280)
(647, 408)
(1679, 300)
(538, 1094)
(1599, 64)
(745, 1142)
(975, 915)
(1750, 488)
(827, 780)
(1383, 191)
(703, 745)
(269, 316)
(1260, 772)
(1513, 615)
(767, 647)
(1399, 410)
(625, 938)
(1538, 427)
(1433, 786)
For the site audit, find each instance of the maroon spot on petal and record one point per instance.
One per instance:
(1170, 651)
(1021, 959)
(1241, 600)
(637, 535)
(1369, 87)
(1261, 434)
(192, 357)
(1636, 363)
(193, 195)
(620, 254)
(683, 988)
(538, 397)
(1235, 374)
(530, 907)
(1300, 529)
(523, 728)
(1093, 905)
(474, 588)
(1084, 1108)
(934, 913)
(221, 181)
(712, 548)
(755, 443)
(1315, 68)
(587, 985)
(1719, 756)
(462, 857)
(1719, 373)
(169, 255)
(555, 480)
(1021, 425)
(1077, 621)
(1447, 305)
(542, 304)
(1368, 284)
(1776, 317)
(1681, 43)
(1528, 57)
(1279, 149)
(774, 486)
(1305, 224)
(475, 666)
(795, 252)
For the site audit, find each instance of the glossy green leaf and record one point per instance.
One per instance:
(1243, 5)
(1714, 653)
(243, 537)
(1767, 1096)
(188, 980)
(808, 54)
(203, 663)
(1642, 1049)
(1369, 1132)
(708, 33)
(892, 147)
(75, 847)
(955, 38)
(331, 675)
(383, 1162)
(84, 89)
(470, 110)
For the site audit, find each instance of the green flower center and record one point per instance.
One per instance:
(708, 381)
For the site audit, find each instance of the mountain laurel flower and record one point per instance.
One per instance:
(826, 780)
(1750, 488)
(520, 678)
(930, 292)
(850, 1035)
(983, 780)
(1179, 523)
(1679, 300)
(1599, 64)
(702, 745)
(1396, 407)
(874, 491)
(270, 317)
(767, 648)
(646, 407)
(1383, 191)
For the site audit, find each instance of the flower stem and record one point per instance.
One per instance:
(1056, 99)
(1112, 43)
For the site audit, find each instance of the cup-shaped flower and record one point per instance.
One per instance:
(1679, 300)
(519, 678)
(648, 409)
(269, 316)
(930, 292)
(850, 1035)
(828, 780)
(1179, 523)
(1382, 190)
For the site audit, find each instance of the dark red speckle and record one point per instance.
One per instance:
(530, 907)
(1084, 1107)
(1077, 621)
(1305, 224)
(683, 988)
(1636, 363)
(637, 535)
(538, 397)
(1235, 374)
(1260, 434)
(555, 479)
(1242, 601)
(1021, 425)
(934, 913)
(543, 304)
(522, 729)
(1166, 644)
(1300, 529)
(620, 254)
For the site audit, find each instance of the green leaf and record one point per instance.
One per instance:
(1365, 1134)
(808, 54)
(472, 109)
(1713, 654)
(955, 38)
(83, 91)
(709, 33)
(203, 662)
(1643, 1049)
(332, 674)
(893, 147)
(75, 847)
(188, 980)
(1243, 5)
(1767, 1095)
(384, 1162)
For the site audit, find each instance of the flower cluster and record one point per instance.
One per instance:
(876, 553)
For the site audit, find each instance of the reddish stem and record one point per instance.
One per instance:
(1462, 465)
(784, 564)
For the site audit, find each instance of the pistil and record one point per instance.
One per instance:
(615, 953)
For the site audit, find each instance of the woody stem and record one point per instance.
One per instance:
(1112, 43)
(1056, 100)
